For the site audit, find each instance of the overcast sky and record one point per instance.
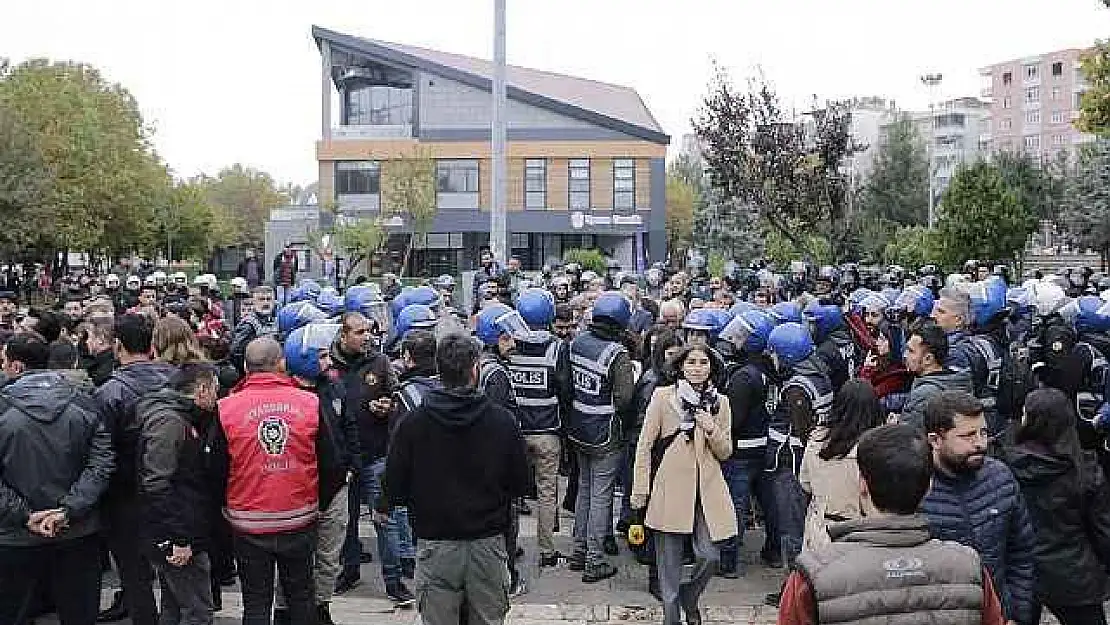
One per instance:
(226, 81)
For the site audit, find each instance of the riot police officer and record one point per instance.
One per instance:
(604, 388)
(540, 372)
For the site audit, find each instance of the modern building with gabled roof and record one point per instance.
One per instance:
(586, 159)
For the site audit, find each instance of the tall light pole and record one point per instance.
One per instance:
(932, 81)
(498, 234)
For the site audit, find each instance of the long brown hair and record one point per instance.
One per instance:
(174, 342)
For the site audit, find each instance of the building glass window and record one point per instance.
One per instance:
(378, 105)
(357, 178)
(1057, 139)
(535, 183)
(1077, 101)
(457, 176)
(1032, 94)
(1005, 124)
(1055, 93)
(1007, 78)
(1032, 142)
(579, 184)
(1057, 117)
(1033, 117)
(1057, 69)
(1006, 102)
(1030, 72)
(624, 183)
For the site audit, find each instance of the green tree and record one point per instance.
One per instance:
(729, 228)
(681, 198)
(91, 137)
(897, 190)
(187, 225)
(361, 238)
(591, 260)
(913, 246)
(24, 183)
(243, 198)
(1039, 187)
(1094, 107)
(409, 190)
(982, 217)
(789, 169)
(1087, 204)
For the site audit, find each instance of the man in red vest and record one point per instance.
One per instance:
(269, 447)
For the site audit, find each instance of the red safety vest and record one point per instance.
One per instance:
(273, 484)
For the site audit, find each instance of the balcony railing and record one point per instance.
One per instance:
(399, 131)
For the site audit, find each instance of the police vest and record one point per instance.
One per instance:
(273, 484)
(751, 437)
(593, 422)
(780, 432)
(850, 352)
(533, 370)
(413, 391)
(489, 369)
(263, 328)
(1091, 397)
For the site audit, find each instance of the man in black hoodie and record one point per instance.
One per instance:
(457, 462)
(117, 398)
(174, 492)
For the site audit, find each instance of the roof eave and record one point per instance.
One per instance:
(363, 46)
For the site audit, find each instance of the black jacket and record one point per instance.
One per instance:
(117, 399)
(1071, 518)
(457, 462)
(341, 455)
(54, 452)
(173, 490)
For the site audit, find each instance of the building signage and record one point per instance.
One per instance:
(294, 214)
(579, 220)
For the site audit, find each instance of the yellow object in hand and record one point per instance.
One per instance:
(636, 535)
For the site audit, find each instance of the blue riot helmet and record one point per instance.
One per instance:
(298, 314)
(496, 320)
(721, 318)
(303, 347)
(1092, 315)
(986, 302)
(856, 299)
(790, 343)
(402, 300)
(426, 296)
(749, 331)
(825, 319)
(330, 301)
(537, 307)
(614, 306)
(415, 316)
(787, 312)
(742, 307)
(297, 294)
(701, 320)
(368, 300)
(891, 294)
(917, 300)
(311, 289)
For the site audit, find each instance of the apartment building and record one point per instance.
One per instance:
(586, 159)
(1034, 101)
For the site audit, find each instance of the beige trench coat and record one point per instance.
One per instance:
(688, 469)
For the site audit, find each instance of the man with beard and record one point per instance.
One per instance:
(975, 501)
(261, 322)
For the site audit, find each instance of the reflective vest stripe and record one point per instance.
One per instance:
(587, 408)
(284, 521)
(751, 443)
(533, 401)
(581, 361)
(779, 437)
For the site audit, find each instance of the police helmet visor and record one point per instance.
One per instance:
(512, 323)
(318, 336)
(737, 332)
(378, 314)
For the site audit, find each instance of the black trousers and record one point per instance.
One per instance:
(135, 573)
(1074, 614)
(292, 553)
(70, 572)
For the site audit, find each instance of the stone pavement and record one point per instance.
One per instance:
(555, 596)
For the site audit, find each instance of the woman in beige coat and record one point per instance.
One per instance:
(829, 471)
(688, 426)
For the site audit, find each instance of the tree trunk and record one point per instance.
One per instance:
(408, 254)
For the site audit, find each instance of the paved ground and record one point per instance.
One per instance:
(555, 596)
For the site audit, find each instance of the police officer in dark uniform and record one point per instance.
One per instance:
(499, 328)
(987, 353)
(604, 388)
(262, 322)
(805, 400)
(418, 354)
(751, 389)
(540, 372)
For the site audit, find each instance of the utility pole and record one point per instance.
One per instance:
(932, 81)
(498, 235)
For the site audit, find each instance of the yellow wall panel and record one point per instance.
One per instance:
(643, 183)
(380, 149)
(557, 183)
(601, 183)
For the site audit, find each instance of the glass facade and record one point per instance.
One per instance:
(535, 183)
(579, 184)
(624, 183)
(378, 105)
(457, 176)
(357, 177)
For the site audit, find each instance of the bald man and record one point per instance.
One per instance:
(268, 448)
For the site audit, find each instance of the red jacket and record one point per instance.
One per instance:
(273, 482)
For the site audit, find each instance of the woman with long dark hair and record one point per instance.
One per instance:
(678, 479)
(1069, 502)
(829, 473)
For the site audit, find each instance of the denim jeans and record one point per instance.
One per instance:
(389, 534)
(186, 591)
(745, 477)
(593, 511)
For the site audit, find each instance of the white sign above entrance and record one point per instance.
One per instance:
(579, 220)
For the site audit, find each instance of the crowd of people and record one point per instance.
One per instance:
(916, 447)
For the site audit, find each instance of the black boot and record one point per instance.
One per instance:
(323, 612)
(115, 612)
(653, 583)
